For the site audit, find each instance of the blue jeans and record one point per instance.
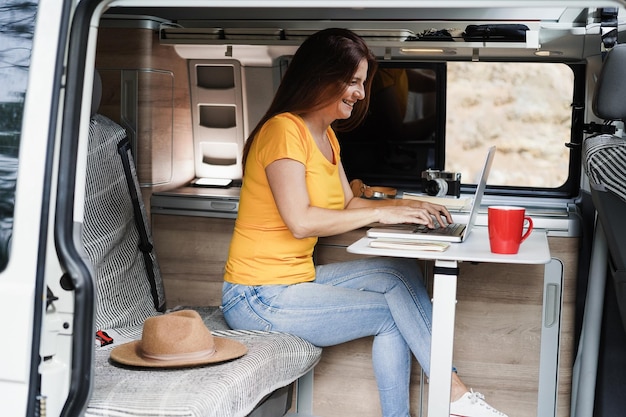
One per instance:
(381, 297)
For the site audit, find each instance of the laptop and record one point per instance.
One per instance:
(455, 232)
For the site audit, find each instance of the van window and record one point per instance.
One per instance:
(17, 20)
(525, 109)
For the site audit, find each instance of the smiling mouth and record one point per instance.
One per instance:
(349, 104)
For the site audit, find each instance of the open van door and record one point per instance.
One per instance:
(36, 298)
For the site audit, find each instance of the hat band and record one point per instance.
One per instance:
(169, 357)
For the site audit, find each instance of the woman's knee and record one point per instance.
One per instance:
(406, 270)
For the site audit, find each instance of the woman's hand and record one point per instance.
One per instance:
(439, 212)
(414, 212)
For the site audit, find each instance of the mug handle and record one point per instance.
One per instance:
(530, 228)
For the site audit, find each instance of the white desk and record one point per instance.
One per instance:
(534, 250)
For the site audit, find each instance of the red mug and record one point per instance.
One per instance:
(506, 228)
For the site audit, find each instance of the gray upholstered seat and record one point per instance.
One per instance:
(130, 289)
(604, 160)
(233, 388)
(605, 164)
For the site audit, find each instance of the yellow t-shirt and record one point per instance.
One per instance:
(263, 251)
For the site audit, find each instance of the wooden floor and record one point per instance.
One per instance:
(498, 325)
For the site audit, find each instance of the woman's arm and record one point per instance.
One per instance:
(288, 185)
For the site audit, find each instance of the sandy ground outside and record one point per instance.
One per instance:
(522, 108)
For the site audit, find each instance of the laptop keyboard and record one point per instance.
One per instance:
(452, 229)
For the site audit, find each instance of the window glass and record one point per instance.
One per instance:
(522, 108)
(17, 22)
(403, 132)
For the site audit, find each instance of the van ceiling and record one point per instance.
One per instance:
(572, 31)
(191, 14)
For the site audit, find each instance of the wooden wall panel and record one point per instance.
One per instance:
(164, 112)
(192, 252)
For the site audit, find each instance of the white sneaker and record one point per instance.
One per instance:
(472, 404)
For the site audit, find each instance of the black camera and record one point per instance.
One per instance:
(441, 183)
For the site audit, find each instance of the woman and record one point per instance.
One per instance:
(295, 190)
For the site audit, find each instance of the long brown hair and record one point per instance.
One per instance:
(319, 73)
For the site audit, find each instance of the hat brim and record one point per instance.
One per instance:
(225, 350)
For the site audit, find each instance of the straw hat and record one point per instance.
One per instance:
(176, 340)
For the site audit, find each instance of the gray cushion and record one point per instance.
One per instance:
(110, 236)
(605, 163)
(229, 389)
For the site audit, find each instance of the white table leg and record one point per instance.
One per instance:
(444, 309)
(550, 339)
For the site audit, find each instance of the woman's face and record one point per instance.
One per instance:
(355, 91)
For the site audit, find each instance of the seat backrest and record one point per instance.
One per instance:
(116, 235)
(608, 102)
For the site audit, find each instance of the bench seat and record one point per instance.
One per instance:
(117, 239)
